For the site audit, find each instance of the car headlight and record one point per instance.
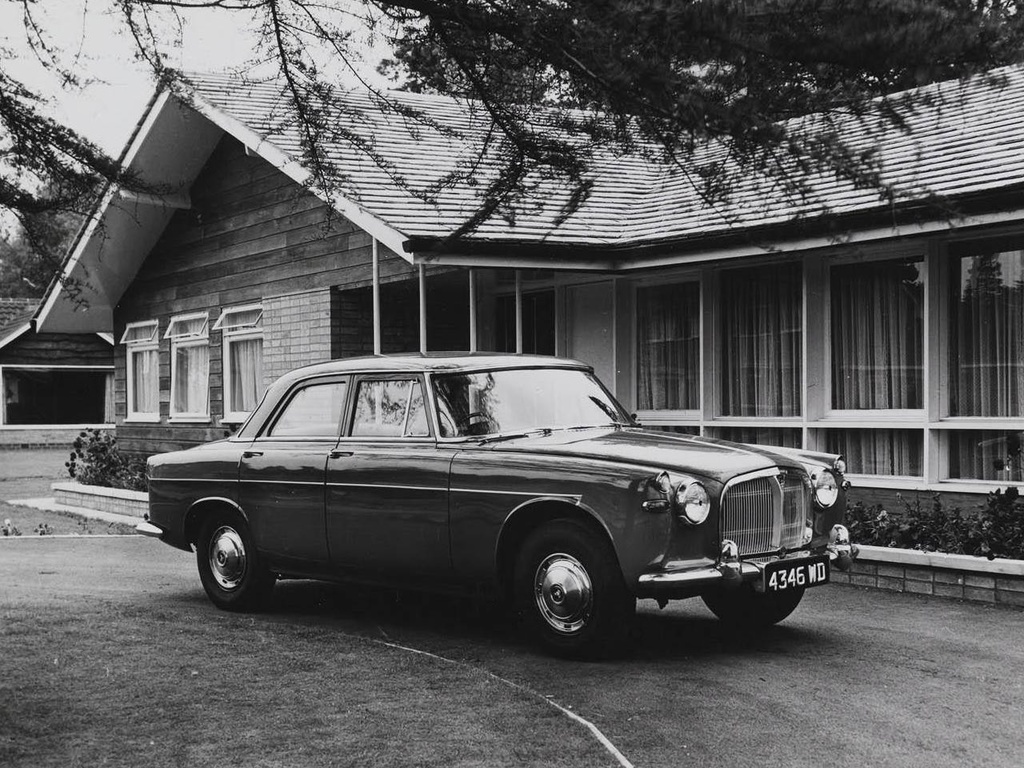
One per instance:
(826, 488)
(693, 502)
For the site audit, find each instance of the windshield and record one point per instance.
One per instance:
(522, 400)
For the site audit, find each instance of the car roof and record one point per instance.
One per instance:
(437, 362)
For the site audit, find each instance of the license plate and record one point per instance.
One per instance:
(781, 576)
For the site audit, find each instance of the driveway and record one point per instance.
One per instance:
(853, 678)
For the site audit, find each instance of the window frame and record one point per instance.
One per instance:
(229, 336)
(132, 348)
(428, 409)
(188, 341)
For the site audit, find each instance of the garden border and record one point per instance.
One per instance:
(114, 500)
(962, 577)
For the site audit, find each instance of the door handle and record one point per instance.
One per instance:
(251, 454)
(339, 454)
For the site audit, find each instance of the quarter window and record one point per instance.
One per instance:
(190, 365)
(390, 408)
(242, 329)
(142, 370)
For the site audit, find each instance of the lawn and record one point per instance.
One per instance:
(27, 474)
(100, 682)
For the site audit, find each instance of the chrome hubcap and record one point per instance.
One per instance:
(227, 558)
(564, 593)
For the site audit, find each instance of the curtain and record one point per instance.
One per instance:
(761, 366)
(987, 336)
(668, 347)
(877, 336)
(898, 452)
(986, 455)
(245, 358)
(191, 379)
(145, 381)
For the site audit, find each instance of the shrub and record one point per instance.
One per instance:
(96, 460)
(993, 529)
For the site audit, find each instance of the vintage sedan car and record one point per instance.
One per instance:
(514, 476)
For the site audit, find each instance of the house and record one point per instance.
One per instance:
(53, 384)
(899, 344)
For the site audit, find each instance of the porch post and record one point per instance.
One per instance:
(472, 311)
(376, 298)
(519, 313)
(423, 308)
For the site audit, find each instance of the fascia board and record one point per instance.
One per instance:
(16, 333)
(82, 244)
(260, 146)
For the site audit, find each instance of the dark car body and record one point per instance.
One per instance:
(444, 506)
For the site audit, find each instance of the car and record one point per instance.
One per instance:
(509, 476)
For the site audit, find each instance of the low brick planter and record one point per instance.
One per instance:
(134, 503)
(935, 573)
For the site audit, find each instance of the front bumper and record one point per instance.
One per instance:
(730, 571)
(148, 529)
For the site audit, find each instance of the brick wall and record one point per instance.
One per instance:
(296, 331)
(930, 573)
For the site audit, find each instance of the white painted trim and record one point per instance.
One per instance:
(107, 337)
(17, 333)
(376, 296)
(24, 367)
(917, 558)
(178, 201)
(422, 281)
(262, 147)
(159, 104)
(51, 427)
(472, 311)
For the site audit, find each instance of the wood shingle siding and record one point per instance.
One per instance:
(251, 236)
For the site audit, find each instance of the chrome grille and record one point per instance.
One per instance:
(765, 513)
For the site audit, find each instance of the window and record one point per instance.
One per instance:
(877, 319)
(760, 321)
(538, 323)
(190, 366)
(142, 367)
(668, 347)
(390, 408)
(890, 452)
(313, 411)
(243, 359)
(986, 334)
(61, 395)
(986, 455)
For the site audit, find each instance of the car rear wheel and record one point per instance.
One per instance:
(569, 591)
(745, 607)
(232, 572)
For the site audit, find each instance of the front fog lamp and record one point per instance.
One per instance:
(693, 503)
(826, 489)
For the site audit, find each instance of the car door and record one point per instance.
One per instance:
(281, 475)
(387, 485)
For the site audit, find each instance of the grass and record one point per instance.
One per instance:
(26, 474)
(96, 683)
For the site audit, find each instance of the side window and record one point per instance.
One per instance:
(390, 408)
(314, 411)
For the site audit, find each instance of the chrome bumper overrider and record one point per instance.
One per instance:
(148, 529)
(731, 571)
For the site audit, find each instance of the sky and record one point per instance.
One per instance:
(87, 37)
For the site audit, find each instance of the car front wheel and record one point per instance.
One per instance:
(747, 608)
(569, 591)
(232, 572)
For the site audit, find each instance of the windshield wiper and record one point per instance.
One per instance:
(539, 432)
(607, 409)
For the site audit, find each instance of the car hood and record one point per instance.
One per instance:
(713, 459)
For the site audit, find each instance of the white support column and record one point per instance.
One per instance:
(519, 313)
(376, 298)
(472, 311)
(423, 309)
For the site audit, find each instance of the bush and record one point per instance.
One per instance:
(95, 460)
(993, 529)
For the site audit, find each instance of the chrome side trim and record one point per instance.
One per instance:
(574, 497)
(388, 487)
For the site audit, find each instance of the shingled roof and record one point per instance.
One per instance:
(965, 140)
(15, 315)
